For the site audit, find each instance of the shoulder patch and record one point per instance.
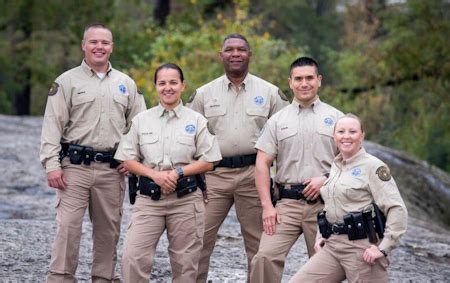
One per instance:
(282, 95)
(383, 173)
(140, 92)
(53, 89)
(191, 98)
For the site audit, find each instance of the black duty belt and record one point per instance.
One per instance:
(85, 154)
(338, 228)
(237, 161)
(295, 192)
(185, 185)
(357, 225)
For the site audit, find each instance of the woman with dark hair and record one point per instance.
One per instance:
(168, 146)
(363, 218)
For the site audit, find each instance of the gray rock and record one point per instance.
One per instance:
(28, 225)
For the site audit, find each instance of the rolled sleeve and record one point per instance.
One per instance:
(129, 145)
(267, 142)
(207, 147)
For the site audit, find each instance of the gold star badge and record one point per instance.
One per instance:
(383, 173)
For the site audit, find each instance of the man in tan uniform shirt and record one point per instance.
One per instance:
(237, 105)
(300, 139)
(91, 105)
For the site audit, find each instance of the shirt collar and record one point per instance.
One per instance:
(91, 72)
(340, 162)
(244, 83)
(314, 106)
(177, 110)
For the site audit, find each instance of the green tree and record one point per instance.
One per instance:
(195, 47)
(396, 71)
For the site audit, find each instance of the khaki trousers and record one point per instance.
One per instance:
(184, 220)
(101, 189)
(339, 259)
(297, 217)
(225, 187)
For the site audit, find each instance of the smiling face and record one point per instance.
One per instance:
(235, 56)
(97, 45)
(348, 136)
(169, 87)
(305, 83)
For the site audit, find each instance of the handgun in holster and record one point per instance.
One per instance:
(324, 226)
(273, 195)
(201, 183)
(132, 187)
(379, 221)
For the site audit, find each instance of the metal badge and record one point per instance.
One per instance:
(53, 89)
(383, 173)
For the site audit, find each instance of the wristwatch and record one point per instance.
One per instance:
(179, 171)
(383, 252)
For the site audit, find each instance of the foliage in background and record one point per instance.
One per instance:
(195, 47)
(398, 66)
(388, 63)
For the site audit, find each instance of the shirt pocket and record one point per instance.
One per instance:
(119, 108)
(82, 107)
(216, 119)
(183, 151)
(351, 192)
(324, 141)
(285, 133)
(258, 117)
(150, 148)
(214, 111)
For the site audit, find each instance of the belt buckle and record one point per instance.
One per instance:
(98, 154)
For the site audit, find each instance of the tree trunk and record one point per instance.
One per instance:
(162, 10)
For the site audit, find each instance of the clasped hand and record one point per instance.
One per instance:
(167, 180)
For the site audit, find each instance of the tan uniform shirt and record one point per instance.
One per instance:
(354, 184)
(86, 110)
(237, 117)
(164, 139)
(302, 141)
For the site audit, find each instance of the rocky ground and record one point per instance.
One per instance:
(28, 227)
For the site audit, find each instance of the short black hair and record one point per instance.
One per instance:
(238, 36)
(169, 66)
(304, 61)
